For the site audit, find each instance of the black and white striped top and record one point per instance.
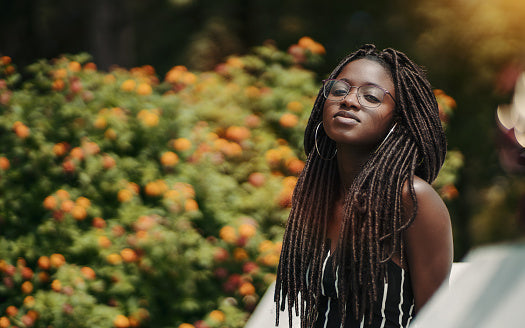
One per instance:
(395, 308)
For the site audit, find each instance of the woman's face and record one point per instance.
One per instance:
(347, 122)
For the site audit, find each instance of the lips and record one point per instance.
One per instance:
(346, 114)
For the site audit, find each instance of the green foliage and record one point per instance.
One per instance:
(133, 202)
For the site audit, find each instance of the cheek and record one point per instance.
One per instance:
(383, 120)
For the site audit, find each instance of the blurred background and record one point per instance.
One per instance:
(473, 51)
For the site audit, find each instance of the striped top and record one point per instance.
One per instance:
(393, 310)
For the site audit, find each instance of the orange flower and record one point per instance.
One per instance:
(11, 311)
(68, 166)
(133, 187)
(4, 322)
(191, 205)
(288, 120)
(50, 203)
(98, 222)
(5, 60)
(56, 285)
(148, 118)
(231, 149)
(57, 260)
(257, 179)
(134, 322)
(186, 325)
(27, 287)
(252, 92)
(32, 314)
(246, 289)
(108, 162)
(289, 182)
(273, 157)
(21, 130)
(100, 123)
(228, 234)
(449, 192)
(124, 195)
(295, 166)
(237, 133)
(27, 273)
(43, 276)
(128, 85)
(294, 106)
(77, 153)
(307, 43)
(144, 89)
(114, 258)
(83, 201)
(240, 254)
(88, 273)
(270, 259)
(175, 74)
(104, 242)
(4, 163)
(181, 144)
(60, 73)
(189, 78)
(252, 121)
(235, 62)
(217, 316)
(128, 255)
(58, 85)
(67, 205)
(78, 212)
(90, 147)
(145, 222)
(155, 188)
(60, 149)
(110, 134)
(121, 321)
(265, 246)
(62, 194)
(247, 230)
(74, 66)
(44, 263)
(29, 301)
(169, 159)
(90, 67)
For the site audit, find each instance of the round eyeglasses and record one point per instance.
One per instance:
(369, 96)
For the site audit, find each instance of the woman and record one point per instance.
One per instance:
(368, 240)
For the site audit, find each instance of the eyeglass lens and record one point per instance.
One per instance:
(367, 95)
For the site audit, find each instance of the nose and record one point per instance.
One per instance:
(351, 99)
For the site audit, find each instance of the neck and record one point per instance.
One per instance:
(350, 162)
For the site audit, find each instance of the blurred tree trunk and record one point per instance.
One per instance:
(111, 33)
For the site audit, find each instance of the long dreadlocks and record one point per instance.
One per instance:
(373, 219)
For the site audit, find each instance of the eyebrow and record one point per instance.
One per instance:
(366, 83)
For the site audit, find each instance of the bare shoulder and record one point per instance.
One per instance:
(431, 210)
(429, 246)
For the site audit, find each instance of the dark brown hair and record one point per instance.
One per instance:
(373, 218)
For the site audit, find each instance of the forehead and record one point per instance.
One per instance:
(365, 71)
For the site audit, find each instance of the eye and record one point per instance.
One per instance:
(339, 89)
(371, 94)
(372, 99)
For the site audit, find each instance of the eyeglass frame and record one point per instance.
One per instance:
(357, 92)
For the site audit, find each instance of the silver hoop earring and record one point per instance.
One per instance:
(388, 135)
(317, 148)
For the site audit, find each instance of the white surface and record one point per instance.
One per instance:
(489, 293)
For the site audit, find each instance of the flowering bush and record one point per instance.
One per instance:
(131, 201)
